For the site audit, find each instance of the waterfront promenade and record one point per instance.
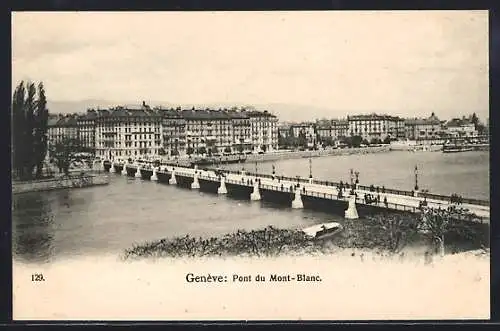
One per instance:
(59, 182)
(298, 192)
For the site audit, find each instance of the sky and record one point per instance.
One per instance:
(307, 64)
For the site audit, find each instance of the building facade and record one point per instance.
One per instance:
(263, 130)
(423, 128)
(461, 128)
(128, 132)
(242, 129)
(173, 132)
(86, 129)
(59, 128)
(375, 126)
(306, 131)
(332, 130)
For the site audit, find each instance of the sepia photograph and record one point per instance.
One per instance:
(228, 166)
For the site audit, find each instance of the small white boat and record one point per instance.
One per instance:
(323, 230)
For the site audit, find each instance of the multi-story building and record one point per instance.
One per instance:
(173, 131)
(241, 131)
(127, 132)
(86, 129)
(306, 130)
(61, 127)
(332, 130)
(375, 126)
(461, 128)
(284, 130)
(264, 130)
(423, 128)
(207, 131)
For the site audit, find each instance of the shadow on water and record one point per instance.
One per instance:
(33, 226)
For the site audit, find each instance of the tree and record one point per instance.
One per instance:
(475, 120)
(264, 148)
(240, 148)
(174, 152)
(189, 150)
(435, 222)
(19, 130)
(356, 141)
(387, 140)
(30, 116)
(375, 141)
(227, 149)
(441, 222)
(202, 150)
(396, 230)
(161, 151)
(282, 141)
(64, 153)
(40, 139)
(302, 141)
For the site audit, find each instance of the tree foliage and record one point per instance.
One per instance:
(29, 141)
(64, 152)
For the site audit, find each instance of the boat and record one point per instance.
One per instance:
(453, 148)
(324, 230)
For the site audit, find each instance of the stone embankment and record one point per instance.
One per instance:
(60, 182)
(282, 155)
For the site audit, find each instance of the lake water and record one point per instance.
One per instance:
(63, 224)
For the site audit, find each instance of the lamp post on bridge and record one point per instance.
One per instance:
(310, 170)
(416, 179)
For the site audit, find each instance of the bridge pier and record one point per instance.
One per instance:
(195, 184)
(172, 180)
(255, 196)
(154, 176)
(297, 201)
(352, 212)
(138, 172)
(112, 169)
(124, 170)
(222, 188)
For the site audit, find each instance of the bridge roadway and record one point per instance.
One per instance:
(394, 201)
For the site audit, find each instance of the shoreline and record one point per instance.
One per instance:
(277, 156)
(59, 182)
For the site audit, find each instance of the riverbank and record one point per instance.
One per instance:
(352, 285)
(59, 182)
(281, 155)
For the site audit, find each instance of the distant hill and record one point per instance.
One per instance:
(285, 112)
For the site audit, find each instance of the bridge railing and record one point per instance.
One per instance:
(439, 197)
(447, 198)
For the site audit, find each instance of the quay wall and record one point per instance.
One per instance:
(72, 181)
(275, 156)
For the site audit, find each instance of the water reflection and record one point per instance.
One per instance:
(33, 233)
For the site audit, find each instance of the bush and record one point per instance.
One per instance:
(265, 242)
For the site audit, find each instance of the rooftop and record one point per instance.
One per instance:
(373, 116)
(190, 114)
(458, 122)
